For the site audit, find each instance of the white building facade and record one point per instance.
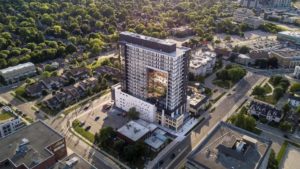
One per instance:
(202, 63)
(10, 125)
(126, 101)
(16, 73)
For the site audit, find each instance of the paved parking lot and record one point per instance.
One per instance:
(112, 118)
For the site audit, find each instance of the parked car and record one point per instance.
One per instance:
(97, 118)
(87, 128)
(82, 123)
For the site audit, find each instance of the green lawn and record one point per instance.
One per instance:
(267, 99)
(87, 135)
(5, 115)
(282, 151)
(267, 88)
(224, 84)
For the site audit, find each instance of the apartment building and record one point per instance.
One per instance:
(14, 74)
(202, 63)
(155, 72)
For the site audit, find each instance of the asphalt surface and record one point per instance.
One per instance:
(221, 109)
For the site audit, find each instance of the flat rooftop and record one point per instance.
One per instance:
(38, 137)
(288, 53)
(229, 147)
(158, 45)
(197, 99)
(290, 33)
(74, 161)
(133, 130)
(17, 67)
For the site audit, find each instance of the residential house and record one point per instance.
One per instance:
(107, 70)
(294, 100)
(266, 111)
(77, 74)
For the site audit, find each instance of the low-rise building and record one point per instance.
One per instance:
(197, 103)
(36, 146)
(287, 57)
(247, 16)
(77, 74)
(73, 161)
(133, 132)
(47, 84)
(10, 121)
(16, 73)
(293, 37)
(265, 111)
(228, 146)
(294, 100)
(202, 63)
(296, 73)
(244, 60)
(157, 140)
(125, 101)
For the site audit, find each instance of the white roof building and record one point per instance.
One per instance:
(133, 131)
(202, 63)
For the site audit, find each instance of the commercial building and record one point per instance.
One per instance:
(247, 16)
(296, 73)
(228, 146)
(10, 121)
(287, 57)
(293, 37)
(202, 63)
(133, 132)
(35, 146)
(73, 161)
(16, 73)
(155, 71)
(265, 3)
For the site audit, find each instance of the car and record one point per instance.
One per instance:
(285, 136)
(173, 156)
(97, 118)
(85, 108)
(119, 114)
(82, 123)
(87, 128)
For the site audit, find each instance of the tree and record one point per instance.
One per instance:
(236, 74)
(278, 92)
(222, 74)
(285, 126)
(105, 136)
(133, 114)
(272, 163)
(259, 91)
(295, 88)
(244, 50)
(286, 108)
(71, 49)
(243, 121)
(119, 145)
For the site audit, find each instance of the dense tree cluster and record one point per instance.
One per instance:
(38, 30)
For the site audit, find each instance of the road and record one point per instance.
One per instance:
(222, 108)
(63, 125)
